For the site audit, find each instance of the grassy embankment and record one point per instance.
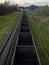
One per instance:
(6, 23)
(40, 30)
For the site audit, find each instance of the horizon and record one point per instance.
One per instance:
(27, 2)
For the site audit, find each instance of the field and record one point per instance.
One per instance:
(6, 23)
(40, 29)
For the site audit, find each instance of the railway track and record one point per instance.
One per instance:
(20, 48)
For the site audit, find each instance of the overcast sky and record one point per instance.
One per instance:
(28, 2)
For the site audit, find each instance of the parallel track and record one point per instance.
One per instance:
(7, 46)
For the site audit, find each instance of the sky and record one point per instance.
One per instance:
(28, 2)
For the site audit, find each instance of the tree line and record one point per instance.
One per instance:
(7, 8)
(44, 10)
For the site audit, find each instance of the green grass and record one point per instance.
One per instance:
(40, 31)
(6, 23)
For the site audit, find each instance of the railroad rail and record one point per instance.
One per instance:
(18, 47)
